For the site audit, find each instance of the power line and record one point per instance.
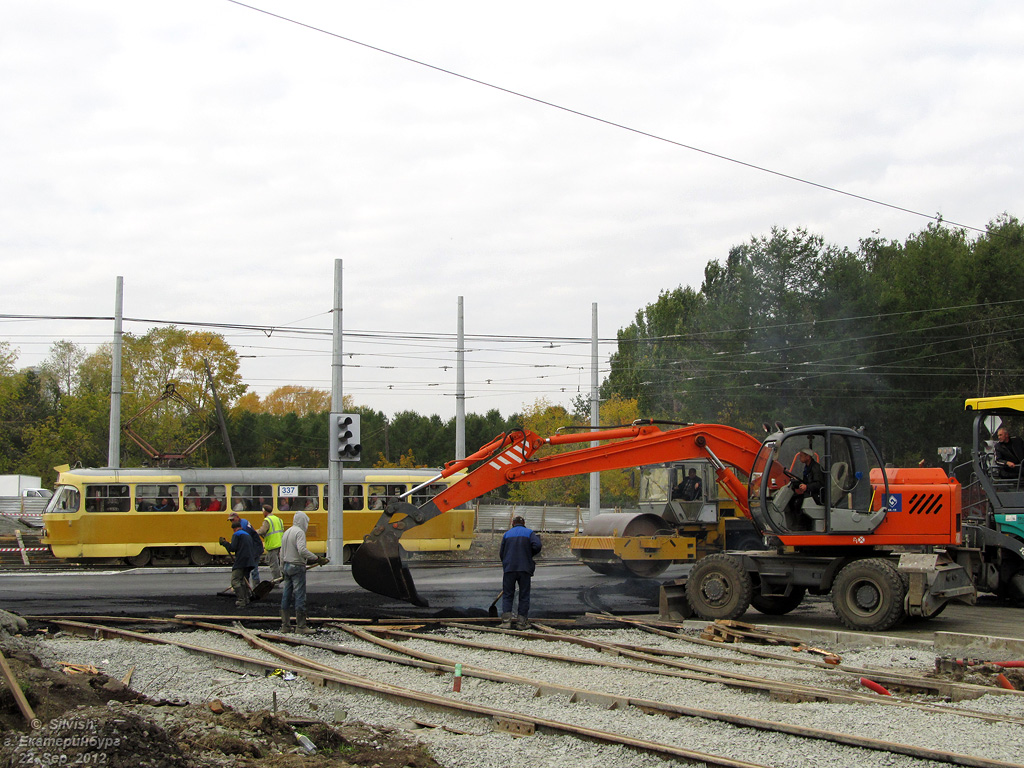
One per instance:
(610, 123)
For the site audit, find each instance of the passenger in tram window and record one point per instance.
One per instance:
(311, 504)
(216, 502)
(163, 504)
(172, 497)
(285, 505)
(192, 501)
(93, 500)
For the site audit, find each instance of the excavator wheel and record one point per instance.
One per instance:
(719, 587)
(868, 595)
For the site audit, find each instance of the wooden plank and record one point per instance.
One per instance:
(19, 695)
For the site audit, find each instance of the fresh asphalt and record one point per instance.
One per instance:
(559, 591)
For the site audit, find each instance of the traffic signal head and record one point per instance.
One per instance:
(345, 437)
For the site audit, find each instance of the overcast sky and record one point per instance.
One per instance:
(221, 159)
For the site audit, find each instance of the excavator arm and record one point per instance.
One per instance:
(377, 565)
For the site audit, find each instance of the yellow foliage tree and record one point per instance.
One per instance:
(617, 486)
(406, 461)
(291, 398)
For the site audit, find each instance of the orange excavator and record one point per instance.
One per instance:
(881, 541)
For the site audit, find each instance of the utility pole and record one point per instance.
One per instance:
(460, 390)
(335, 518)
(595, 414)
(114, 440)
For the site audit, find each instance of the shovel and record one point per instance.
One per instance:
(264, 587)
(493, 610)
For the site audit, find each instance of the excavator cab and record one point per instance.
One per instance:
(816, 480)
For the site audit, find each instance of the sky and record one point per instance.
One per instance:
(221, 159)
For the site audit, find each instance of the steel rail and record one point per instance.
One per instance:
(674, 710)
(734, 680)
(308, 669)
(325, 673)
(772, 687)
(955, 691)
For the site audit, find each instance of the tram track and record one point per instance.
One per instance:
(379, 645)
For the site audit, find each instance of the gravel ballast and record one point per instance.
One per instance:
(169, 673)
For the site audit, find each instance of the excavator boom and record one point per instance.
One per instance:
(377, 564)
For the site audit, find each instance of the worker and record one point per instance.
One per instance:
(690, 487)
(294, 556)
(256, 540)
(812, 483)
(270, 532)
(519, 546)
(241, 545)
(1009, 453)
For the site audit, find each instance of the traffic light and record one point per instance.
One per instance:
(345, 437)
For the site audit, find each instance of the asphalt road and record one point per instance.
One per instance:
(559, 591)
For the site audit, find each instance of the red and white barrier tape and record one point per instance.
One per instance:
(24, 549)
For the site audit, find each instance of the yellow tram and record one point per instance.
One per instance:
(177, 516)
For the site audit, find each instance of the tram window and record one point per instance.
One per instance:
(156, 498)
(214, 499)
(396, 490)
(354, 497)
(107, 498)
(250, 498)
(309, 498)
(423, 495)
(378, 496)
(194, 498)
(65, 500)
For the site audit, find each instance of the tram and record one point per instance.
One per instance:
(177, 516)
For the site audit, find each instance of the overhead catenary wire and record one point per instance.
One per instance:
(613, 124)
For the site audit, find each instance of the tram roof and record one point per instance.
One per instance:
(999, 403)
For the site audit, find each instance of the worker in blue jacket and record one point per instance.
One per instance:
(519, 546)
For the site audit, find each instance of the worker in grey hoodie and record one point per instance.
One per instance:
(294, 556)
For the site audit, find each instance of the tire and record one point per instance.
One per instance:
(142, 559)
(778, 605)
(719, 587)
(868, 595)
(199, 556)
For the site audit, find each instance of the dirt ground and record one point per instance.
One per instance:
(92, 720)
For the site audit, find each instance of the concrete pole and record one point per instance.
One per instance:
(114, 440)
(595, 415)
(460, 389)
(335, 517)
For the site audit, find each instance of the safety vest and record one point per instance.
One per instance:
(273, 538)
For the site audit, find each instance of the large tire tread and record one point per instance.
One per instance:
(719, 587)
(868, 595)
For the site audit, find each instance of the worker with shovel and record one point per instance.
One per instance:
(519, 545)
(241, 546)
(294, 555)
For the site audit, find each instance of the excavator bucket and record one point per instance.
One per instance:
(377, 566)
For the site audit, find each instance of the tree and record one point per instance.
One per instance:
(171, 355)
(62, 366)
